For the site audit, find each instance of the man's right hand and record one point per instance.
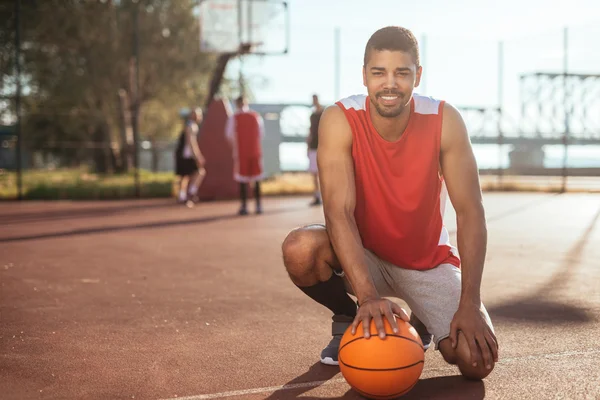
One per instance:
(376, 309)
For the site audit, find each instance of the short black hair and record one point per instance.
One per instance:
(394, 38)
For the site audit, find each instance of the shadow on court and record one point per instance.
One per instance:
(87, 212)
(444, 387)
(447, 387)
(316, 373)
(149, 225)
(540, 306)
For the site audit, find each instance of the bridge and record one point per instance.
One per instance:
(555, 109)
(485, 126)
(512, 139)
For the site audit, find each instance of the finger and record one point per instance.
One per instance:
(474, 349)
(355, 324)
(379, 325)
(493, 335)
(366, 321)
(490, 333)
(491, 341)
(391, 318)
(453, 335)
(485, 351)
(399, 311)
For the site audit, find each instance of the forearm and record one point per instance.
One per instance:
(196, 151)
(347, 245)
(192, 142)
(472, 244)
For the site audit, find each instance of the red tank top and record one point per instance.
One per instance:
(400, 196)
(247, 131)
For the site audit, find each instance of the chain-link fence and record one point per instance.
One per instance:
(531, 104)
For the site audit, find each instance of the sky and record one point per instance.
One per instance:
(458, 39)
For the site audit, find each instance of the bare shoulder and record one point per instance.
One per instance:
(333, 114)
(454, 130)
(334, 127)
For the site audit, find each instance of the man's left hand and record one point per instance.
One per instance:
(471, 321)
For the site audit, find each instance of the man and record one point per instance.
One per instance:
(312, 142)
(189, 160)
(383, 161)
(245, 130)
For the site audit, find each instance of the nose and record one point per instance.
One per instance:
(390, 82)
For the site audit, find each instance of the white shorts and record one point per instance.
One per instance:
(312, 161)
(432, 295)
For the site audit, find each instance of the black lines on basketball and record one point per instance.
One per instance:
(382, 368)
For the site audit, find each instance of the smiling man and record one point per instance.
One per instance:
(385, 161)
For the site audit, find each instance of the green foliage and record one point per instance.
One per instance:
(77, 55)
(79, 184)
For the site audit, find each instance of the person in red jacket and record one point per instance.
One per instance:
(385, 162)
(245, 131)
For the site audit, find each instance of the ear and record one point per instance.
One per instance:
(418, 76)
(365, 75)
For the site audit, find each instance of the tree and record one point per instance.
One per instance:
(79, 73)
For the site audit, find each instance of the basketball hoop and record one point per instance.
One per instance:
(236, 28)
(244, 27)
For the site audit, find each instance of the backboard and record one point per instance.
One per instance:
(260, 26)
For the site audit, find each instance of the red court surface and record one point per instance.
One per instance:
(149, 300)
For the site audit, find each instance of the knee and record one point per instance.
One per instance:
(474, 373)
(298, 250)
(449, 356)
(301, 248)
(461, 357)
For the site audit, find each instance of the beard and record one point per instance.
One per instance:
(389, 111)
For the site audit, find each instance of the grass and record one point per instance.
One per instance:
(546, 184)
(288, 184)
(80, 184)
(301, 183)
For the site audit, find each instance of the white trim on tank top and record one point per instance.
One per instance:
(356, 102)
(426, 105)
(423, 104)
(444, 235)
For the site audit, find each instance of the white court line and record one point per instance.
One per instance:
(341, 380)
(549, 355)
(260, 390)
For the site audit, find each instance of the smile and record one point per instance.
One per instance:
(389, 99)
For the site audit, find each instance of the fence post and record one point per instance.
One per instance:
(500, 102)
(18, 99)
(337, 63)
(566, 108)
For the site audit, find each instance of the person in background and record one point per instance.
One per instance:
(312, 142)
(189, 161)
(245, 130)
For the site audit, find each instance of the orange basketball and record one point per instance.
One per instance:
(382, 368)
